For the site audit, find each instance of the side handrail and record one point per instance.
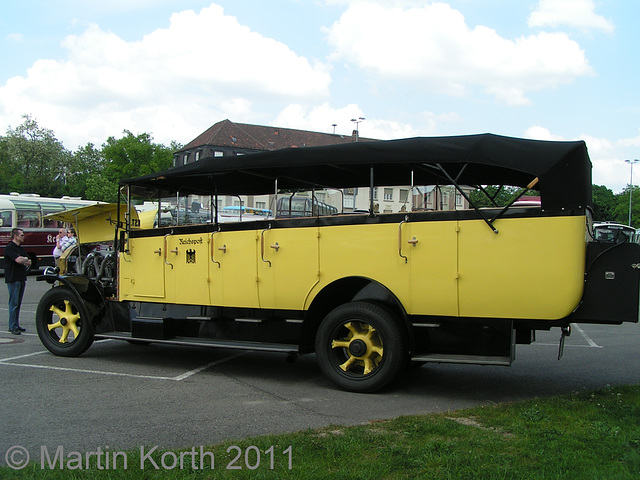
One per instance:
(213, 249)
(165, 250)
(262, 245)
(406, 219)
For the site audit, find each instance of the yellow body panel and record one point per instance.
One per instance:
(368, 251)
(431, 251)
(233, 279)
(187, 269)
(533, 268)
(288, 267)
(141, 270)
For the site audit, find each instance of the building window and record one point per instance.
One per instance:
(459, 201)
(388, 194)
(404, 196)
(185, 159)
(197, 155)
(375, 193)
(261, 205)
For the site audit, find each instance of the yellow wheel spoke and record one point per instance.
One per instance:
(369, 365)
(350, 361)
(340, 344)
(371, 355)
(352, 329)
(65, 334)
(70, 321)
(57, 311)
(54, 325)
(73, 327)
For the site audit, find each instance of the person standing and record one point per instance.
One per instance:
(16, 266)
(71, 239)
(61, 238)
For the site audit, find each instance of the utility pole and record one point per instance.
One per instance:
(357, 121)
(631, 162)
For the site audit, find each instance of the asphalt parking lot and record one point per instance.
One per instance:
(119, 395)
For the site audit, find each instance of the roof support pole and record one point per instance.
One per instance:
(371, 187)
(532, 184)
(478, 211)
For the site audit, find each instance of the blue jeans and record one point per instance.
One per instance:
(16, 291)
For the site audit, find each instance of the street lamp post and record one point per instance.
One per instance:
(357, 121)
(631, 162)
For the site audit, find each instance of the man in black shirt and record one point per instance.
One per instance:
(16, 266)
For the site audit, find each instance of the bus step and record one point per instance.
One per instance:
(464, 359)
(205, 342)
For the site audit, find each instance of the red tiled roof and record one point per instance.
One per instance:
(260, 137)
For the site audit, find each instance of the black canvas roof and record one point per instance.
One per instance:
(563, 168)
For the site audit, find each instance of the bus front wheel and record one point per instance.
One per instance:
(62, 323)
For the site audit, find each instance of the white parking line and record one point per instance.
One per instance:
(590, 343)
(2, 360)
(7, 361)
(586, 337)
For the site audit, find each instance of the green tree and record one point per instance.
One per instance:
(5, 166)
(87, 163)
(34, 157)
(99, 188)
(500, 195)
(128, 157)
(621, 210)
(604, 203)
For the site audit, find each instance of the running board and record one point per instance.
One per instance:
(465, 359)
(204, 342)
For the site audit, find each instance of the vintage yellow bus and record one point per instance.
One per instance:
(366, 292)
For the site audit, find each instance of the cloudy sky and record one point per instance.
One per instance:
(548, 69)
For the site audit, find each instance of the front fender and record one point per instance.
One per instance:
(85, 289)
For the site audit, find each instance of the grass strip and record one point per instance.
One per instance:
(592, 435)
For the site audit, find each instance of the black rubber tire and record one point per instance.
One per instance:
(347, 366)
(71, 308)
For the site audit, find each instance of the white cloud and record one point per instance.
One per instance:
(606, 157)
(432, 47)
(15, 37)
(537, 132)
(171, 83)
(573, 13)
(608, 165)
(630, 142)
(322, 117)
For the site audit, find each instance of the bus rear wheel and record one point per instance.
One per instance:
(62, 323)
(361, 347)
